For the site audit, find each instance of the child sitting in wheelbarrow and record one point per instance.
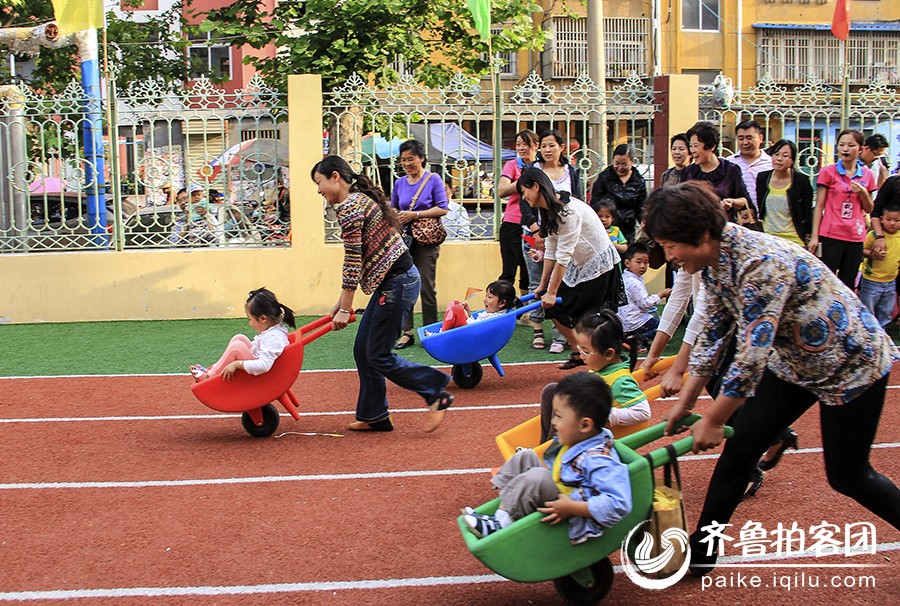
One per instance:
(499, 298)
(580, 477)
(268, 318)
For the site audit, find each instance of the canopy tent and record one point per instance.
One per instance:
(264, 152)
(448, 139)
(376, 145)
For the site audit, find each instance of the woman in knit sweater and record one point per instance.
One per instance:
(377, 261)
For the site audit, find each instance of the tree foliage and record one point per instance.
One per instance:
(154, 48)
(335, 38)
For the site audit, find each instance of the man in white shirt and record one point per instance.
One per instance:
(750, 157)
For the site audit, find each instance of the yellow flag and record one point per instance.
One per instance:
(77, 15)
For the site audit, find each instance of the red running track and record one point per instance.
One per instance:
(126, 490)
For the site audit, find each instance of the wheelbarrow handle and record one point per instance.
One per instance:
(645, 436)
(531, 306)
(317, 328)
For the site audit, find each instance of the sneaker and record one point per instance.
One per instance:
(557, 347)
(198, 371)
(482, 524)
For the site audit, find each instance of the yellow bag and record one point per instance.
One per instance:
(668, 512)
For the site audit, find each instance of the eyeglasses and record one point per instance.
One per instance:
(584, 352)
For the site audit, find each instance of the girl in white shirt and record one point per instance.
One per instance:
(268, 318)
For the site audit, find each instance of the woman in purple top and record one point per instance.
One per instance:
(725, 177)
(415, 201)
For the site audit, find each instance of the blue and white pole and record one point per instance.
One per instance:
(92, 130)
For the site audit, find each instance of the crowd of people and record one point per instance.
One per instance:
(776, 324)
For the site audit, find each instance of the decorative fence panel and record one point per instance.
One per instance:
(808, 115)
(231, 144)
(457, 122)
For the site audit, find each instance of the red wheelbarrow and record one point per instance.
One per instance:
(253, 395)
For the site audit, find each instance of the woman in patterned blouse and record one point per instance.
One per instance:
(377, 261)
(801, 336)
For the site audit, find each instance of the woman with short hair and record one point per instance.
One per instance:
(800, 336)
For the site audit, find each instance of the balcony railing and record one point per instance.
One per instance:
(627, 47)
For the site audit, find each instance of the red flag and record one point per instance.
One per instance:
(840, 24)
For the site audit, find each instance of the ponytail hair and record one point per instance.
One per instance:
(262, 302)
(605, 330)
(358, 183)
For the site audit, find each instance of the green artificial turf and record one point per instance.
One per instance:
(150, 347)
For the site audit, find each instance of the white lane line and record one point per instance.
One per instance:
(303, 413)
(269, 588)
(181, 374)
(313, 477)
(249, 480)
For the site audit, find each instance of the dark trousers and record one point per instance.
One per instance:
(378, 330)
(843, 258)
(848, 431)
(425, 258)
(512, 256)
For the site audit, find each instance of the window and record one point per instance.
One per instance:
(792, 56)
(627, 44)
(702, 15)
(207, 57)
(508, 60)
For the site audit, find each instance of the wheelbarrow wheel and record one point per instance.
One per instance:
(269, 424)
(460, 378)
(577, 594)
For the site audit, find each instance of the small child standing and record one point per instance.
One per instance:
(637, 319)
(606, 210)
(580, 478)
(599, 337)
(268, 318)
(878, 288)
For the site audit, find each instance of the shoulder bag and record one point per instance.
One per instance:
(427, 230)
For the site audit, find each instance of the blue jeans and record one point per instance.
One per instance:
(378, 330)
(535, 269)
(879, 298)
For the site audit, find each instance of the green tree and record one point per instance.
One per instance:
(151, 49)
(335, 38)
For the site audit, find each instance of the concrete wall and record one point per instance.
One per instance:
(213, 283)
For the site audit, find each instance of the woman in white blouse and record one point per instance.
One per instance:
(580, 261)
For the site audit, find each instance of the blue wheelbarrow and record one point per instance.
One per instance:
(465, 346)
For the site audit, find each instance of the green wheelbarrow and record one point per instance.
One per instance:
(530, 551)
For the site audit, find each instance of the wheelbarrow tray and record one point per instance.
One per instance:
(473, 342)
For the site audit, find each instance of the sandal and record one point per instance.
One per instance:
(537, 342)
(574, 361)
(436, 411)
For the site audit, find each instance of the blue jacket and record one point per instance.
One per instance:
(597, 475)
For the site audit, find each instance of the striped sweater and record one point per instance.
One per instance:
(371, 244)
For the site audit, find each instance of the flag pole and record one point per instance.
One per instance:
(113, 134)
(845, 84)
(498, 135)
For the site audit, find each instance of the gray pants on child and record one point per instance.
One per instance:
(525, 484)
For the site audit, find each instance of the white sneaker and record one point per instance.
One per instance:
(557, 347)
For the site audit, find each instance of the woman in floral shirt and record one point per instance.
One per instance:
(801, 336)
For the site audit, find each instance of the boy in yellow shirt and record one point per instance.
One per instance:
(878, 287)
